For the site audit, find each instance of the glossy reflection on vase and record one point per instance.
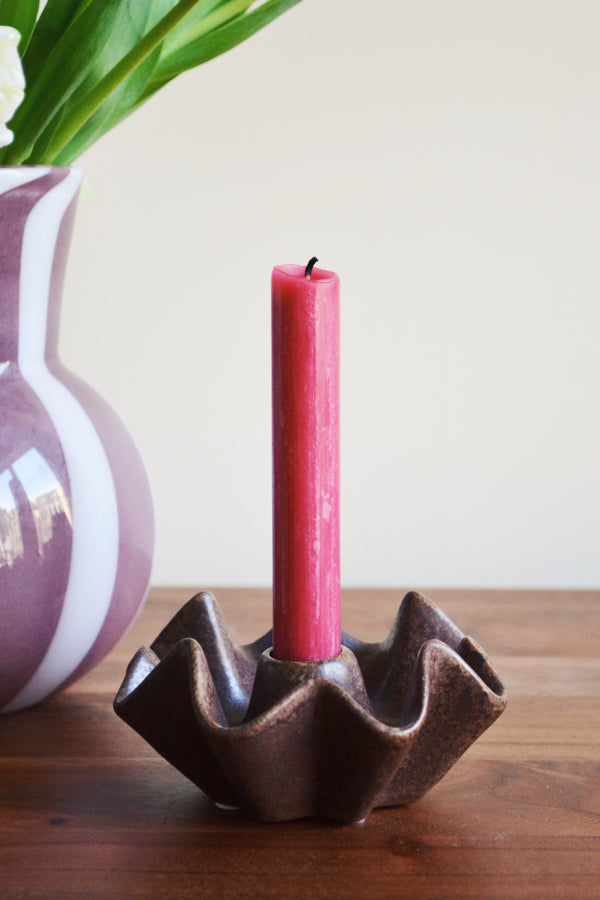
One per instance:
(76, 516)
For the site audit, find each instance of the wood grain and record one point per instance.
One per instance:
(88, 809)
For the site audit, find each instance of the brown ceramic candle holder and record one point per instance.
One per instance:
(377, 726)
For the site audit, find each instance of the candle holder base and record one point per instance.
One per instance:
(377, 726)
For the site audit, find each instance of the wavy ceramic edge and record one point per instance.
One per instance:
(429, 692)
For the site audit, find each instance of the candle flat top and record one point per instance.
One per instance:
(293, 271)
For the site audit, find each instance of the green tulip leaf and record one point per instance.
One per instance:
(53, 22)
(93, 100)
(125, 97)
(133, 21)
(202, 18)
(236, 29)
(67, 65)
(90, 63)
(133, 91)
(22, 15)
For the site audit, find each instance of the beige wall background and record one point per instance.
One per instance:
(442, 157)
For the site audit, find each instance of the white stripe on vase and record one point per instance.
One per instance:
(14, 176)
(95, 549)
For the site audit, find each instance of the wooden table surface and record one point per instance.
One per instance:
(88, 809)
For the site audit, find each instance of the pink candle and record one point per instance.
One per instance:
(306, 492)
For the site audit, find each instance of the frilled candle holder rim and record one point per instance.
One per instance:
(381, 734)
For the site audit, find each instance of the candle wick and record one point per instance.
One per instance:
(309, 266)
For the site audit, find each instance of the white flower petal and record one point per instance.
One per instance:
(6, 136)
(12, 80)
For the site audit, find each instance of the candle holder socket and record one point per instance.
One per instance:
(378, 725)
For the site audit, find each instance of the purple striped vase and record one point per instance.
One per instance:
(76, 517)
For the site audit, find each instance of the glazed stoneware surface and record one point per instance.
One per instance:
(377, 726)
(76, 518)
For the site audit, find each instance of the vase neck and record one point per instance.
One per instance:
(37, 206)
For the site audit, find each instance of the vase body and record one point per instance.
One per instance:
(76, 516)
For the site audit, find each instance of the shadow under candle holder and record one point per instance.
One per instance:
(379, 725)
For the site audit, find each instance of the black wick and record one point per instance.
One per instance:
(309, 266)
